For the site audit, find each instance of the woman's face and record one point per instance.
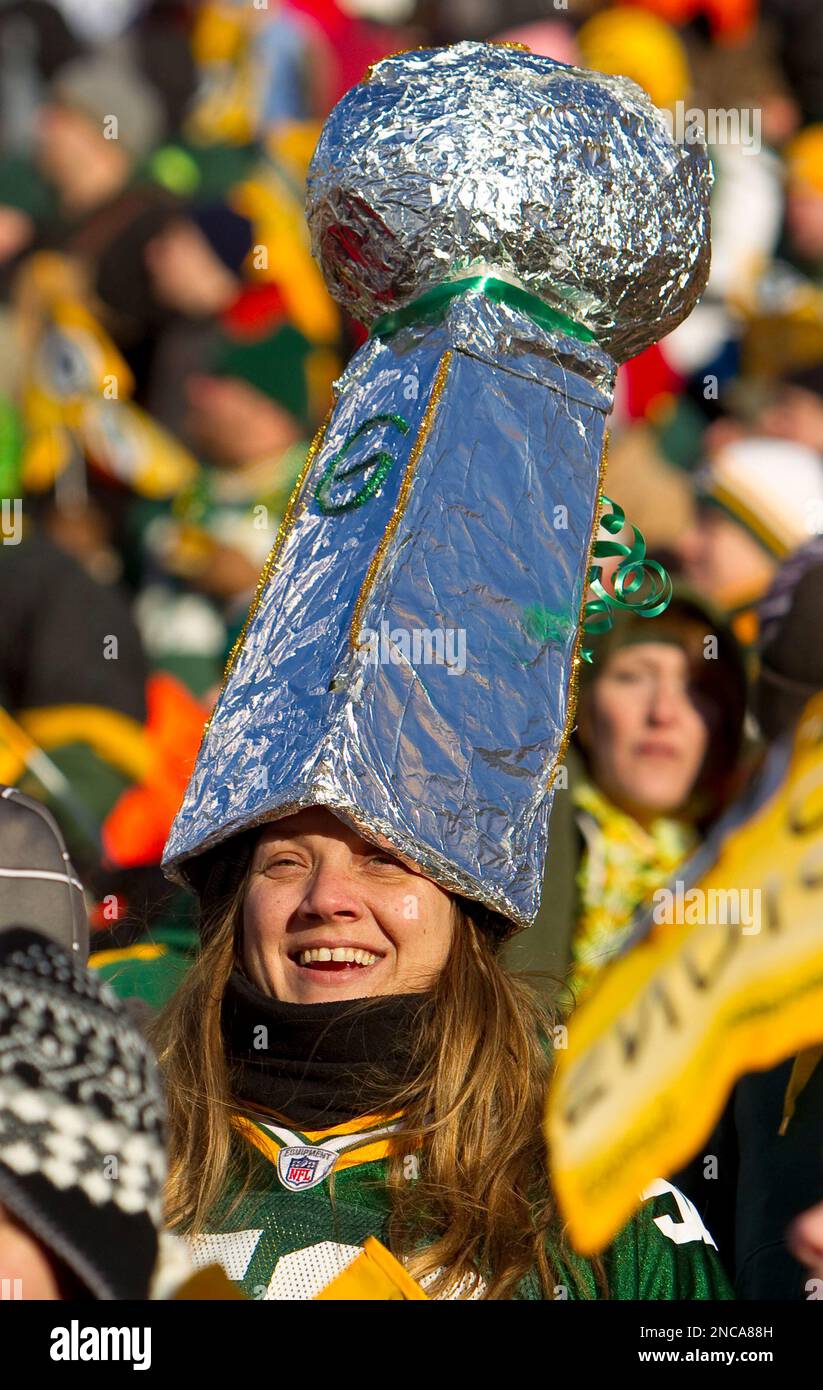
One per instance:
(327, 915)
(644, 734)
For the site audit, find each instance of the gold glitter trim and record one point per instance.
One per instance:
(574, 681)
(289, 518)
(402, 496)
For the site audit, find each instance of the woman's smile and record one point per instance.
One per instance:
(332, 963)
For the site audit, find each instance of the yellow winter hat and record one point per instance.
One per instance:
(633, 43)
(804, 157)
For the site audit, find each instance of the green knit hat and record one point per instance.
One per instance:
(274, 364)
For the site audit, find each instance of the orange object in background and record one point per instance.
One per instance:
(731, 20)
(136, 828)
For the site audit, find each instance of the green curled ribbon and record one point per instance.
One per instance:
(639, 585)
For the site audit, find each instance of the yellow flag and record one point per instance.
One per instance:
(126, 443)
(728, 979)
(76, 400)
(374, 1275)
(73, 359)
(226, 103)
(282, 253)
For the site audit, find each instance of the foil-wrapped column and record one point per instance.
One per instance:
(408, 663)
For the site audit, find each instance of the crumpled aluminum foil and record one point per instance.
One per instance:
(444, 753)
(488, 451)
(567, 178)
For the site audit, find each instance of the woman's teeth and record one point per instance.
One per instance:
(344, 954)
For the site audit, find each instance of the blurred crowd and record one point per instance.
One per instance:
(167, 352)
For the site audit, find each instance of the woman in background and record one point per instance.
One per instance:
(655, 760)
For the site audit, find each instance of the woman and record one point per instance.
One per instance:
(660, 724)
(349, 1058)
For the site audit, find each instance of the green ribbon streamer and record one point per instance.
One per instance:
(432, 306)
(633, 573)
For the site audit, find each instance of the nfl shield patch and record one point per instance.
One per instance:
(302, 1166)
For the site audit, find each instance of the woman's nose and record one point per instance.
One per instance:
(666, 704)
(331, 893)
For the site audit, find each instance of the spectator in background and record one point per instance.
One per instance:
(296, 68)
(35, 42)
(660, 723)
(804, 203)
(749, 114)
(162, 51)
(104, 745)
(82, 1139)
(760, 500)
(26, 204)
(798, 26)
(195, 265)
(747, 200)
(248, 416)
(102, 121)
(792, 408)
(196, 262)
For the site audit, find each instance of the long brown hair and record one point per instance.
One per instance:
(481, 1203)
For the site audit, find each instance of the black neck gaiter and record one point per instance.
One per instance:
(319, 1065)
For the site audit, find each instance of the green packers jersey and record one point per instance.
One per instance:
(292, 1232)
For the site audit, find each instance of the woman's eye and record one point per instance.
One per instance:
(626, 677)
(283, 861)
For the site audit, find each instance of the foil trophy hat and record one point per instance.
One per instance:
(511, 228)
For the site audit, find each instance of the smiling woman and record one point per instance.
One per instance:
(349, 1059)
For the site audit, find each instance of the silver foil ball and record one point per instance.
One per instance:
(563, 177)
